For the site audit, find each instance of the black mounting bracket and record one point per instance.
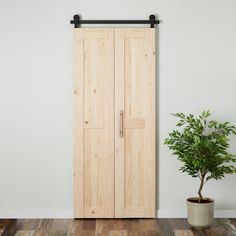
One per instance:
(77, 22)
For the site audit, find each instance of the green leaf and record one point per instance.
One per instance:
(202, 146)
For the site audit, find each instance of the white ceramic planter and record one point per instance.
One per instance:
(200, 214)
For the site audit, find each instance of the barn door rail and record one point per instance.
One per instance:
(77, 22)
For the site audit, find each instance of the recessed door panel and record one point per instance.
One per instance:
(135, 155)
(94, 141)
(114, 161)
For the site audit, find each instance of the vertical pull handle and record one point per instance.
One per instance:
(121, 123)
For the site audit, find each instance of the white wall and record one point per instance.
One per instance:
(197, 70)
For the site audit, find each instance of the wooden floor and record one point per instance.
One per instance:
(130, 227)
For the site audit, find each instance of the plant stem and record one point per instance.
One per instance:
(201, 186)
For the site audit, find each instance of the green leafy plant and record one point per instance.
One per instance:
(202, 145)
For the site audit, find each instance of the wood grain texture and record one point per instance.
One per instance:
(25, 233)
(106, 227)
(11, 228)
(135, 95)
(119, 141)
(180, 224)
(233, 221)
(149, 227)
(3, 224)
(94, 121)
(118, 233)
(166, 227)
(114, 175)
(79, 122)
(184, 233)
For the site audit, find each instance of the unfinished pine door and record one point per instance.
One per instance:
(135, 137)
(114, 162)
(94, 120)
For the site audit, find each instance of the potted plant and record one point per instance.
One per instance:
(202, 146)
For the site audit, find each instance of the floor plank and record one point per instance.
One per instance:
(118, 232)
(117, 224)
(41, 232)
(180, 224)
(216, 232)
(133, 228)
(75, 227)
(149, 227)
(233, 221)
(11, 228)
(89, 224)
(25, 233)
(183, 233)
(102, 227)
(87, 232)
(3, 224)
(109, 227)
(198, 232)
(28, 224)
(217, 228)
(166, 227)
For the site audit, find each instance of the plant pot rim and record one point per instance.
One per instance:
(194, 200)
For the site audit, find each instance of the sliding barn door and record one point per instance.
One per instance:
(135, 123)
(114, 164)
(94, 119)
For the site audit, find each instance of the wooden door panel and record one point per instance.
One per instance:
(94, 138)
(134, 162)
(136, 158)
(105, 187)
(134, 123)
